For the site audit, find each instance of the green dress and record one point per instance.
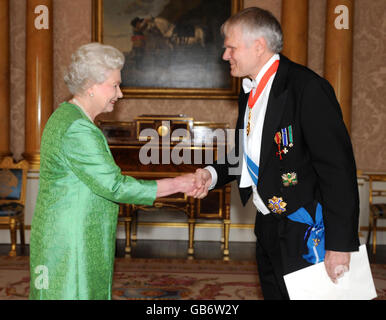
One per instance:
(73, 229)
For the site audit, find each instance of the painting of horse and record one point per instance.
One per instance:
(168, 44)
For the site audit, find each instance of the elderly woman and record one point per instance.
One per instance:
(73, 230)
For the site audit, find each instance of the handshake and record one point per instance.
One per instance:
(195, 184)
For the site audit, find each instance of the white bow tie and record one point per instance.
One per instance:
(249, 84)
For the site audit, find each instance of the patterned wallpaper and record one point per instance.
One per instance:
(72, 27)
(369, 85)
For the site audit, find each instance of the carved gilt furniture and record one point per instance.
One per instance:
(13, 180)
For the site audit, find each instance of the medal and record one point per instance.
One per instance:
(277, 139)
(260, 87)
(284, 135)
(289, 179)
(249, 122)
(291, 139)
(277, 205)
(316, 242)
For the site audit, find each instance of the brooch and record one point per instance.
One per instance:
(277, 205)
(289, 179)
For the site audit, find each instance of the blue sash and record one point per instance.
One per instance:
(253, 169)
(314, 234)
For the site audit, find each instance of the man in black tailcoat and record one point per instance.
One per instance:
(296, 157)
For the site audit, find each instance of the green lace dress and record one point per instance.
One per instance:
(73, 229)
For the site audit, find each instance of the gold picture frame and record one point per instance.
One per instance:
(182, 62)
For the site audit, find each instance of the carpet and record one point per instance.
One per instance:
(155, 279)
(167, 279)
(185, 280)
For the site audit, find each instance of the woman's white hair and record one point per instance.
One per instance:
(256, 23)
(90, 64)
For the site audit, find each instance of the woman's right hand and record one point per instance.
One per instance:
(186, 183)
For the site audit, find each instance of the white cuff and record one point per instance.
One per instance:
(213, 173)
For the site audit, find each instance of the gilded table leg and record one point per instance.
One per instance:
(134, 223)
(128, 229)
(374, 235)
(223, 236)
(227, 224)
(191, 223)
(227, 221)
(12, 227)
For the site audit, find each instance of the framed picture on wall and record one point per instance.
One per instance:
(172, 48)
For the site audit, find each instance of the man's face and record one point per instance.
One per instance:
(242, 56)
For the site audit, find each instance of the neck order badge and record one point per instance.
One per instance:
(263, 82)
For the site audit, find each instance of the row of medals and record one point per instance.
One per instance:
(283, 137)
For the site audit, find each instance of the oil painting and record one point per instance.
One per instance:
(172, 48)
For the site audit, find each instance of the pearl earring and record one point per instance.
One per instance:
(91, 94)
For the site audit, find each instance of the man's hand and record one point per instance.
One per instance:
(203, 181)
(336, 263)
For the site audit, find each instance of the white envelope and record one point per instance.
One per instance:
(313, 283)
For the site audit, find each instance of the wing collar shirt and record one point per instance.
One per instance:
(252, 142)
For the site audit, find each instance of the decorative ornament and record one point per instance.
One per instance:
(277, 205)
(289, 179)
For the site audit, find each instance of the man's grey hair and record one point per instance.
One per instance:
(90, 64)
(255, 23)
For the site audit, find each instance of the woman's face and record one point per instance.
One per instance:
(106, 94)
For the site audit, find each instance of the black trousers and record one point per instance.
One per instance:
(268, 258)
(279, 248)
